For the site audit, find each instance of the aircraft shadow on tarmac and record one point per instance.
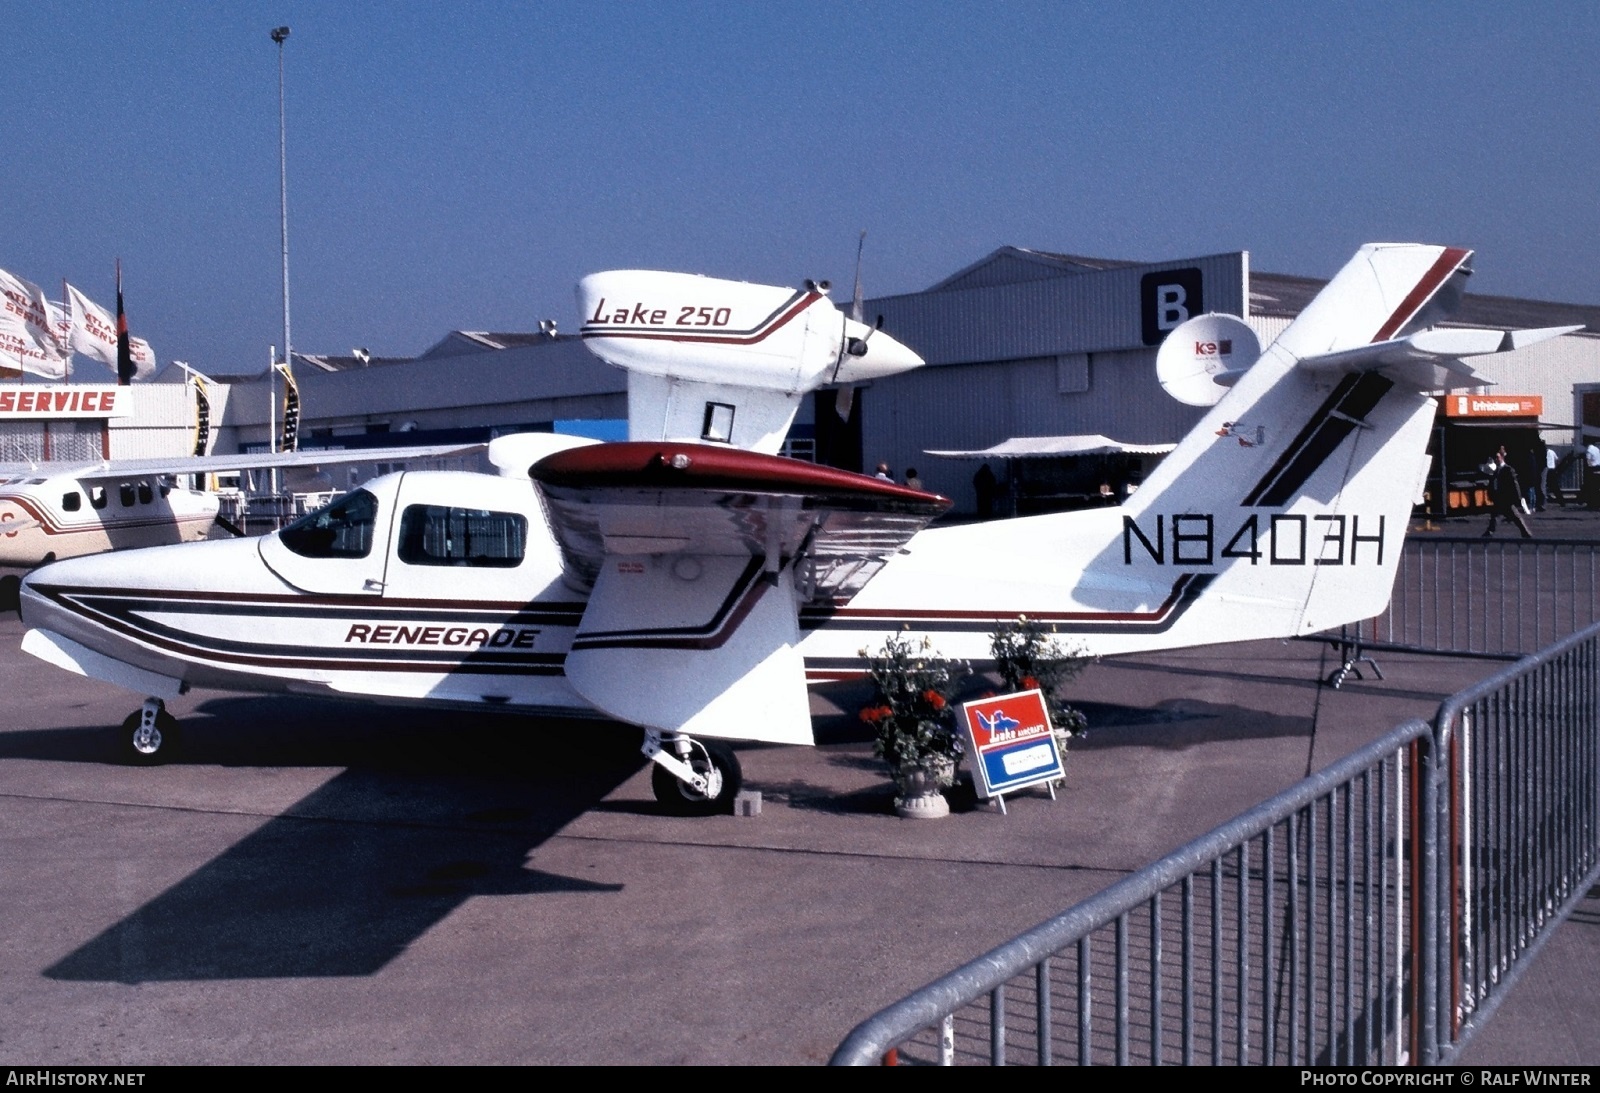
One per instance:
(431, 810)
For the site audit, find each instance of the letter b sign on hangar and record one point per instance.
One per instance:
(1167, 299)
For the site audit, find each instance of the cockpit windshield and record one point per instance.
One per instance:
(343, 529)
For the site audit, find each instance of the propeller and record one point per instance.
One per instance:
(845, 397)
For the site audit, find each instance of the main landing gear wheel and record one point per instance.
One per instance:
(710, 759)
(149, 735)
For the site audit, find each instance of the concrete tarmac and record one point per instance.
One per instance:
(339, 883)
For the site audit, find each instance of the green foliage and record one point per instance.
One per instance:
(1026, 656)
(911, 712)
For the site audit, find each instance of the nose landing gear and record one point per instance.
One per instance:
(692, 777)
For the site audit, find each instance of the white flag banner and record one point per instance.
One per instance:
(94, 330)
(144, 358)
(28, 334)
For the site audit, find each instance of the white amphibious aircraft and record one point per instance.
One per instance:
(65, 509)
(690, 582)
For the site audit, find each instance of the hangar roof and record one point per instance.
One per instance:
(1010, 265)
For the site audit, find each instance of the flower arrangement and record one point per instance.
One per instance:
(1028, 657)
(910, 712)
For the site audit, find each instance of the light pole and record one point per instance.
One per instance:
(278, 36)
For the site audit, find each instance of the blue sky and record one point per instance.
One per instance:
(462, 166)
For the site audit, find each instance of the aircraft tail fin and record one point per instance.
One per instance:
(1294, 491)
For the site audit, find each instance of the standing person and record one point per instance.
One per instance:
(986, 486)
(1551, 484)
(912, 478)
(1505, 496)
(1534, 464)
(883, 473)
(1591, 475)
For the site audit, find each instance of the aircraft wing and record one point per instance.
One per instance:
(243, 461)
(699, 557)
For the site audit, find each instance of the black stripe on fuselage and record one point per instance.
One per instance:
(741, 598)
(1354, 397)
(1185, 591)
(125, 613)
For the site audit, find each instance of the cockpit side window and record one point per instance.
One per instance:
(71, 501)
(440, 535)
(146, 494)
(343, 529)
(98, 496)
(125, 494)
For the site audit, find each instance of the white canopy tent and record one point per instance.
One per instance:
(1025, 447)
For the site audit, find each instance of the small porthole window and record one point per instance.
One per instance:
(71, 501)
(717, 424)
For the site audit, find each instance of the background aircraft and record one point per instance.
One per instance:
(690, 583)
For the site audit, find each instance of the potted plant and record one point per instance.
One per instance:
(1027, 657)
(914, 723)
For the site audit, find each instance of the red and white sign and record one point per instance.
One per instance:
(1493, 405)
(1012, 745)
(74, 400)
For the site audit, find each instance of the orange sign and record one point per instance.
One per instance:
(1493, 405)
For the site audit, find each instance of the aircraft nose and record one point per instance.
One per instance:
(884, 356)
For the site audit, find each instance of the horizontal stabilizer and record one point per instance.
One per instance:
(1433, 359)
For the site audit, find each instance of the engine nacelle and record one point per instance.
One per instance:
(725, 361)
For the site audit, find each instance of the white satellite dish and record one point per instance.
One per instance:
(1203, 357)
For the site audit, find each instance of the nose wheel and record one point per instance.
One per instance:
(149, 735)
(693, 777)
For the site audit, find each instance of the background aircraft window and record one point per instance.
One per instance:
(98, 497)
(125, 494)
(146, 494)
(71, 501)
(439, 535)
(342, 530)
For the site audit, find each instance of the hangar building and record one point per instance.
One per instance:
(1020, 345)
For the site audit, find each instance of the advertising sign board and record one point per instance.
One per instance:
(1012, 746)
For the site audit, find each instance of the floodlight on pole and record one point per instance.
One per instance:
(279, 34)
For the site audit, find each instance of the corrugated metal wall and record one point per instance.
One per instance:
(1073, 313)
(162, 423)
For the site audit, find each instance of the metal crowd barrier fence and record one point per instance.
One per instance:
(1280, 937)
(1519, 818)
(1498, 597)
(1376, 913)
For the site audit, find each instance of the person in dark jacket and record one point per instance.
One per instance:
(1505, 497)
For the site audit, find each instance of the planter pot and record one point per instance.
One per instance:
(920, 797)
